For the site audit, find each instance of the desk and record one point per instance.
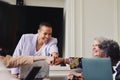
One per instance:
(59, 72)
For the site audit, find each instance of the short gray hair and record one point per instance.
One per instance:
(100, 39)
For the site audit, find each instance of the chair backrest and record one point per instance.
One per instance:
(97, 69)
(39, 69)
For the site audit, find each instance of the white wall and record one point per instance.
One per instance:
(10, 1)
(118, 18)
(46, 3)
(85, 20)
(92, 18)
(99, 19)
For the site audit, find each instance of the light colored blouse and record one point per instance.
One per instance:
(27, 46)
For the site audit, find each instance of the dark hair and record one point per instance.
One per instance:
(111, 49)
(45, 24)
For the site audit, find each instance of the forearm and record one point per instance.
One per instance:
(38, 58)
(66, 61)
(18, 61)
(21, 60)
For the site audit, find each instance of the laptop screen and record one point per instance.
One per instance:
(32, 73)
(39, 68)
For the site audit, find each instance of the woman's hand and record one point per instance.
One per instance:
(58, 61)
(74, 74)
(49, 59)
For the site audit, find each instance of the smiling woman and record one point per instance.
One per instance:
(96, 50)
(18, 20)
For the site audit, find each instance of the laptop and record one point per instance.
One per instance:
(31, 75)
(97, 69)
(37, 70)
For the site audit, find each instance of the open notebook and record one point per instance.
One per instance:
(97, 69)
